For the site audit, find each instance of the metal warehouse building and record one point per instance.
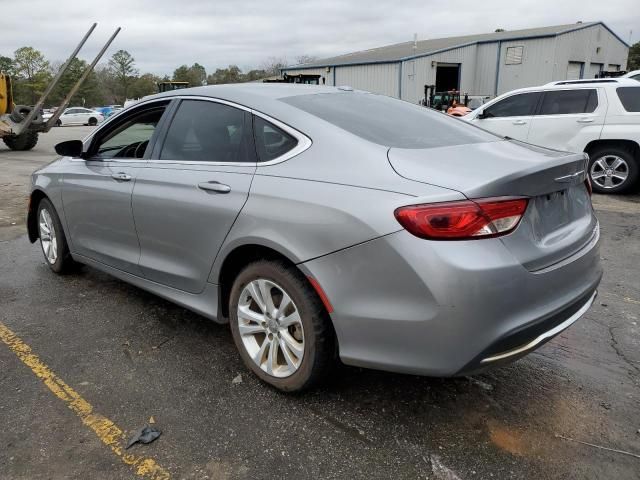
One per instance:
(487, 64)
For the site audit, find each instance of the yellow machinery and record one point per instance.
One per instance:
(168, 85)
(21, 124)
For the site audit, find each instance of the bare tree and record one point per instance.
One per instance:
(272, 65)
(302, 59)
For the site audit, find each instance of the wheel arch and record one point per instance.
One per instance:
(32, 213)
(241, 256)
(624, 143)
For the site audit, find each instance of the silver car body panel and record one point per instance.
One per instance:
(400, 303)
(405, 304)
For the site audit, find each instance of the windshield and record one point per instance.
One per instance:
(389, 122)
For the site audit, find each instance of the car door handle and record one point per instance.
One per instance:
(121, 177)
(519, 122)
(214, 187)
(585, 120)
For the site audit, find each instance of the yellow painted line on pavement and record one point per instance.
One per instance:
(107, 431)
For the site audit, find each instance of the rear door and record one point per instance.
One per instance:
(568, 119)
(510, 117)
(195, 185)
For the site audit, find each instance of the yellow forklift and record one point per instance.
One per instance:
(20, 125)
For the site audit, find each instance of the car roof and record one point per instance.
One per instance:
(584, 83)
(631, 73)
(254, 91)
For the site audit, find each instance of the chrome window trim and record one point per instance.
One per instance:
(304, 142)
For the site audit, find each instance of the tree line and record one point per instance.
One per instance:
(115, 81)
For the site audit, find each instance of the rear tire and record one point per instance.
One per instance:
(52, 240)
(93, 122)
(613, 169)
(22, 142)
(299, 332)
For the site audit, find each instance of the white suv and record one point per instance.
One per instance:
(600, 117)
(634, 74)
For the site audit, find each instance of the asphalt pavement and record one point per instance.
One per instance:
(85, 360)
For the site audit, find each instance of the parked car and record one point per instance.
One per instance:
(77, 116)
(323, 223)
(635, 74)
(599, 117)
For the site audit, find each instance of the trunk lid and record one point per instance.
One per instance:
(559, 220)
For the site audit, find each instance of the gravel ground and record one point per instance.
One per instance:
(133, 356)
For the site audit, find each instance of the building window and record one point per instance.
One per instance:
(514, 55)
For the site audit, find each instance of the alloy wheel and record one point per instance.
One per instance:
(609, 171)
(270, 327)
(48, 236)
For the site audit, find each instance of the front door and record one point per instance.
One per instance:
(97, 190)
(510, 117)
(196, 183)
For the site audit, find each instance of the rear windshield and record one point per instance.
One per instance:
(389, 122)
(630, 98)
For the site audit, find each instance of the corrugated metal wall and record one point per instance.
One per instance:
(594, 44)
(421, 71)
(536, 67)
(543, 60)
(377, 78)
(485, 79)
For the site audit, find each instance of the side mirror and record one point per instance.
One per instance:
(70, 148)
(481, 115)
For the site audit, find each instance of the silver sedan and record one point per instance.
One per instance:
(323, 223)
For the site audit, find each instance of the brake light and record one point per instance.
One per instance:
(463, 220)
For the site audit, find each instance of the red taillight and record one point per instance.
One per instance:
(463, 220)
(587, 183)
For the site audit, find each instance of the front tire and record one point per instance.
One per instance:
(613, 169)
(280, 327)
(52, 240)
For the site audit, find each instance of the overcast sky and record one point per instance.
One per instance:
(163, 34)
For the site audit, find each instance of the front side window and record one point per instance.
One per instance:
(203, 131)
(522, 104)
(271, 141)
(630, 98)
(564, 102)
(130, 137)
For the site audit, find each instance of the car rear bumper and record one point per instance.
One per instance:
(449, 308)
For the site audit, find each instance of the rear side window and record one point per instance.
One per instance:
(518, 105)
(203, 131)
(563, 102)
(388, 121)
(630, 98)
(271, 141)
